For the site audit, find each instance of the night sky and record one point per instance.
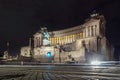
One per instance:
(20, 19)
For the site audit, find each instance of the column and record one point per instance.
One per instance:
(90, 31)
(35, 41)
(54, 41)
(94, 32)
(41, 40)
(51, 41)
(70, 38)
(67, 39)
(73, 37)
(38, 41)
(59, 40)
(86, 32)
(64, 40)
(81, 35)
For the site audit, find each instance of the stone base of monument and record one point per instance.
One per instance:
(43, 59)
(44, 54)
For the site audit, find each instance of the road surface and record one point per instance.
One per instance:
(59, 72)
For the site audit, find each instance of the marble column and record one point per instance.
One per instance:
(72, 37)
(35, 42)
(94, 31)
(56, 40)
(84, 33)
(67, 39)
(40, 40)
(52, 41)
(59, 40)
(90, 31)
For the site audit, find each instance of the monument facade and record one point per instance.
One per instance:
(71, 44)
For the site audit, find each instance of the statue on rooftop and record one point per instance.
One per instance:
(45, 36)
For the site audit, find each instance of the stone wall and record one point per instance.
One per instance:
(40, 54)
(25, 51)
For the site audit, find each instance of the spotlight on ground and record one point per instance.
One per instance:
(95, 63)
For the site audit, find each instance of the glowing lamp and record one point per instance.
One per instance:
(48, 54)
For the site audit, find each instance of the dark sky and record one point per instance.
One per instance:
(20, 19)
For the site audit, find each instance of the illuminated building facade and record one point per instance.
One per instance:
(75, 41)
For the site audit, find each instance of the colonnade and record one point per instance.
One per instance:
(37, 41)
(65, 39)
(90, 31)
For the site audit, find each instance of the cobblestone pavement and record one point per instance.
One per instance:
(59, 73)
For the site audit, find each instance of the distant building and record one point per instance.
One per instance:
(71, 44)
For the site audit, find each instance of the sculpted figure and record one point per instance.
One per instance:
(45, 36)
